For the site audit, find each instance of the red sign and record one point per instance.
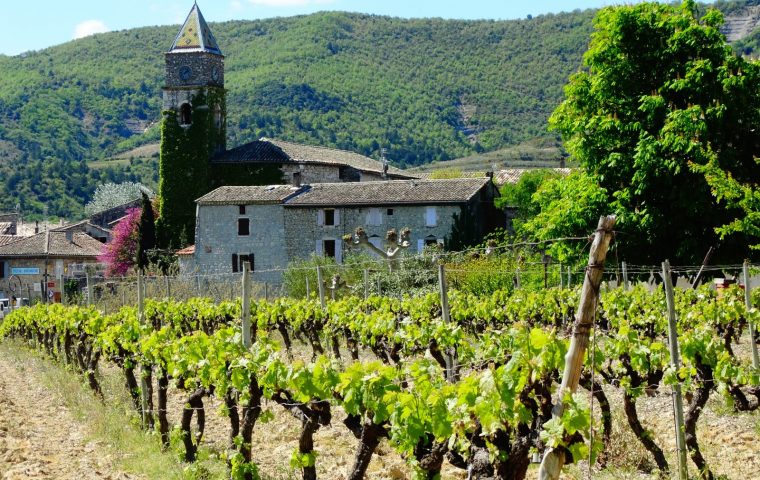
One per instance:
(51, 284)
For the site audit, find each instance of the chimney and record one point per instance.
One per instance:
(36, 227)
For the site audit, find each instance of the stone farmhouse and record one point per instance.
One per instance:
(270, 226)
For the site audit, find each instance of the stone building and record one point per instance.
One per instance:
(33, 265)
(271, 226)
(194, 154)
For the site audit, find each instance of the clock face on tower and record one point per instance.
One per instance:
(185, 73)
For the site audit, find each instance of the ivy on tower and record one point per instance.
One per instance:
(193, 127)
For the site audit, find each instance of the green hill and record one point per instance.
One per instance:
(427, 90)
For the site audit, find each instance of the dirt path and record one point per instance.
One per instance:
(39, 437)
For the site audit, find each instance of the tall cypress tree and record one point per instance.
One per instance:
(146, 234)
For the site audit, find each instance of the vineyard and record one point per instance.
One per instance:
(471, 389)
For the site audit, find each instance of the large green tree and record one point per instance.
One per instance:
(661, 96)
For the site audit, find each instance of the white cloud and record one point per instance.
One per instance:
(89, 27)
(289, 3)
(236, 5)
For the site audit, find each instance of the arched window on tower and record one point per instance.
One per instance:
(185, 114)
(218, 117)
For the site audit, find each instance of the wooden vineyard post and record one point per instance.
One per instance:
(62, 286)
(246, 320)
(89, 286)
(625, 277)
(569, 277)
(321, 285)
(308, 288)
(450, 356)
(561, 286)
(554, 459)
(675, 361)
(143, 376)
(748, 301)
(366, 284)
(168, 286)
(517, 278)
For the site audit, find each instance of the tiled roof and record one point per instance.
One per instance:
(394, 192)
(6, 239)
(53, 244)
(5, 227)
(79, 227)
(236, 195)
(266, 150)
(195, 36)
(186, 251)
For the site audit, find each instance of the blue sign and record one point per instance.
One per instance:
(25, 271)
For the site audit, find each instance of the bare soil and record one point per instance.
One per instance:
(39, 437)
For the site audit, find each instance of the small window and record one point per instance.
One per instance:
(185, 114)
(329, 217)
(329, 248)
(244, 227)
(239, 260)
(389, 212)
(241, 209)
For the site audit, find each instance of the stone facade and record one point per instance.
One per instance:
(192, 69)
(218, 239)
(304, 232)
(26, 284)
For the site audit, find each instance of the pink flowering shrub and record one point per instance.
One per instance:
(119, 254)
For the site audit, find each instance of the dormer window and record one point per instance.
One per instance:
(185, 114)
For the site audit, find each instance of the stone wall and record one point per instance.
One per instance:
(217, 239)
(200, 64)
(311, 173)
(302, 229)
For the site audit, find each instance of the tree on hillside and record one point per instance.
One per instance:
(661, 97)
(109, 195)
(118, 255)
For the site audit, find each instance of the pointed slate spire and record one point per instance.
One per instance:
(195, 36)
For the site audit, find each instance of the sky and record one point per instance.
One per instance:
(35, 24)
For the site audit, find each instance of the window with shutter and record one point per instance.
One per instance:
(329, 248)
(235, 266)
(329, 215)
(339, 250)
(431, 217)
(420, 245)
(374, 217)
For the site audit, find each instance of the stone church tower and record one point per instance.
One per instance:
(193, 127)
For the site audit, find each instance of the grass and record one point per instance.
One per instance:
(113, 424)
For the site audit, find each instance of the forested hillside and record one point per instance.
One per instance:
(426, 89)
